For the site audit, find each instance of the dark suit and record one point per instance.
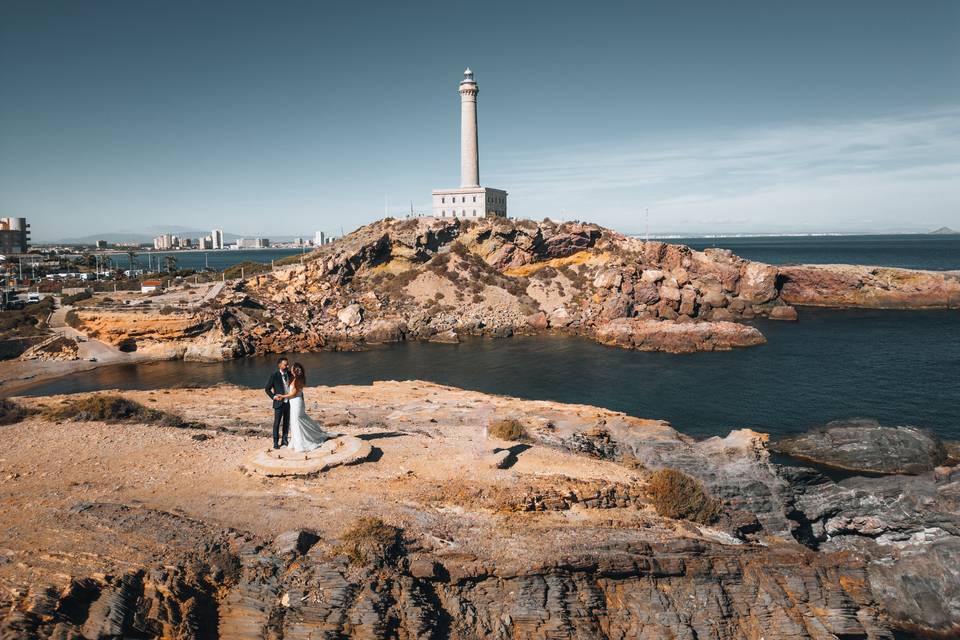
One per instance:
(281, 408)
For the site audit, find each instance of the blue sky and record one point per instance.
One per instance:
(282, 118)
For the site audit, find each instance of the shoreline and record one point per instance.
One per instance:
(19, 375)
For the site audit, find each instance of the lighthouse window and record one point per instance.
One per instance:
(443, 200)
(474, 198)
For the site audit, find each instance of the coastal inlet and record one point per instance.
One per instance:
(893, 366)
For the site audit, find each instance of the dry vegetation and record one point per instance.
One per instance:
(11, 412)
(674, 494)
(369, 541)
(508, 429)
(104, 407)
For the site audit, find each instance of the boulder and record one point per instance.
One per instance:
(351, 315)
(653, 335)
(670, 294)
(615, 307)
(784, 312)
(647, 294)
(688, 301)
(295, 542)
(537, 320)
(385, 330)
(865, 445)
(651, 275)
(715, 299)
(758, 282)
(447, 337)
(559, 317)
(609, 279)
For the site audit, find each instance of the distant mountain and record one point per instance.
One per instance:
(943, 231)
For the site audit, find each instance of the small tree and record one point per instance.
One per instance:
(170, 263)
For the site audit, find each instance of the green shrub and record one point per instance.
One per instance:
(369, 541)
(12, 412)
(75, 298)
(29, 321)
(508, 429)
(248, 268)
(674, 494)
(73, 320)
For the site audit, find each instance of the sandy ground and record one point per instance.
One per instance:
(430, 474)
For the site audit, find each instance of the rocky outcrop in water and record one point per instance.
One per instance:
(841, 285)
(865, 445)
(650, 335)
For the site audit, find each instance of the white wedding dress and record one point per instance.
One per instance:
(306, 434)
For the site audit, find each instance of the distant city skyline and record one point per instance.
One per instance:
(278, 120)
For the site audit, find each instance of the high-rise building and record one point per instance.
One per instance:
(206, 242)
(164, 241)
(101, 244)
(217, 236)
(470, 200)
(319, 238)
(14, 235)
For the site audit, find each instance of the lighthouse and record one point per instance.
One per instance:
(469, 153)
(470, 200)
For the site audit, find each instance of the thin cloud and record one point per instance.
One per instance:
(758, 176)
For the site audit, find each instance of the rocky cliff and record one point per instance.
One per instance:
(442, 280)
(150, 531)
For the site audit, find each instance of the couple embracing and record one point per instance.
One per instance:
(285, 387)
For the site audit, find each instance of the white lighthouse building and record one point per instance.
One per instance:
(470, 200)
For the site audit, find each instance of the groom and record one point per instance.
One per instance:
(278, 384)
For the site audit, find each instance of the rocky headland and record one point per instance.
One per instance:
(154, 525)
(442, 280)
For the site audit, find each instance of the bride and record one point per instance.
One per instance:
(305, 433)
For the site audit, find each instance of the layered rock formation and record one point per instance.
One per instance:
(561, 543)
(867, 446)
(442, 280)
(844, 285)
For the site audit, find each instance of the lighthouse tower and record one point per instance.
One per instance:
(470, 200)
(469, 154)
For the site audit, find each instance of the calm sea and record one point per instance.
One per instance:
(899, 367)
(218, 260)
(909, 251)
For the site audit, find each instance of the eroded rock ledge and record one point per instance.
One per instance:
(185, 542)
(441, 280)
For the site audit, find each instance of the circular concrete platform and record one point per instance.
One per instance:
(338, 451)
